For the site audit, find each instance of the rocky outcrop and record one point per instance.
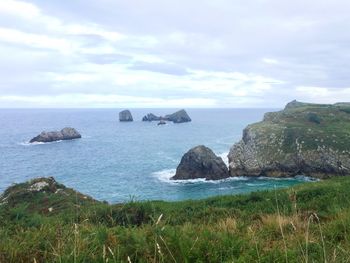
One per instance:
(308, 139)
(201, 162)
(161, 122)
(178, 117)
(46, 193)
(151, 117)
(65, 134)
(125, 115)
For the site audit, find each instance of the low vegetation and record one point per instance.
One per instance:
(48, 222)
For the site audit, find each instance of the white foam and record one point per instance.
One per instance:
(165, 175)
(224, 157)
(37, 143)
(298, 177)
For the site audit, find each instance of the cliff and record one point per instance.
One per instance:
(304, 138)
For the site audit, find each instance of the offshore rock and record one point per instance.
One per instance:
(201, 162)
(178, 117)
(161, 122)
(151, 117)
(65, 134)
(125, 115)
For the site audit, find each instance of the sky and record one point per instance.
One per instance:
(173, 53)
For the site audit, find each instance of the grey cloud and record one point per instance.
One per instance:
(164, 68)
(108, 58)
(308, 39)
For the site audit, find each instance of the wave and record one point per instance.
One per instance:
(165, 175)
(306, 178)
(224, 157)
(37, 143)
(302, 178)
(27, 143)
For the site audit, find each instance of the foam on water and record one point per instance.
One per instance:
(37, 143)
(166, 174)
(224, 157)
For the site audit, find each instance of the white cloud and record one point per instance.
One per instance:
(109, 100)
(270, 61)
(323, 94)
(19, 8)
(35, 40)
(231, 52)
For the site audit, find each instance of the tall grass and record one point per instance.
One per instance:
(309, 223)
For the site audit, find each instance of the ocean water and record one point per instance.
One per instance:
(117, 161)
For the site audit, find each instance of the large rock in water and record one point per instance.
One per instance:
(125, 115)
(65, 134)
(304, 138)
(178, 117)
(201, 162)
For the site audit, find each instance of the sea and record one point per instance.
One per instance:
(123, 161)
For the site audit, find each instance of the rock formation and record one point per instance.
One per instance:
(307, 139)
(177, 117)
(151, 117)
(65, 134)
(201, 162)
(125, 115)
(161, 122)
(52, 193)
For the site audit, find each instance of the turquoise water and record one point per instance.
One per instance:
(118, 161)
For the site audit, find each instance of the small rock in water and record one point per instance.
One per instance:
(125, 115)
(151, 117)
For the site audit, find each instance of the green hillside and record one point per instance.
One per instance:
(47, 222)
(304, 138)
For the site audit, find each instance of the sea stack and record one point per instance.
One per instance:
(201, 162)
(125, 116)
(65, 134)
(151, 117)
(178, 117)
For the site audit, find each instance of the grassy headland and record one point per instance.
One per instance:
(303, 138)
(48, 222)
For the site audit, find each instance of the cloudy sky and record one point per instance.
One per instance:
(173, 53)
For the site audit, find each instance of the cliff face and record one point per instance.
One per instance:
(308, 139)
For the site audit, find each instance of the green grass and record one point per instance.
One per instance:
(313, 124)
(306, 223)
